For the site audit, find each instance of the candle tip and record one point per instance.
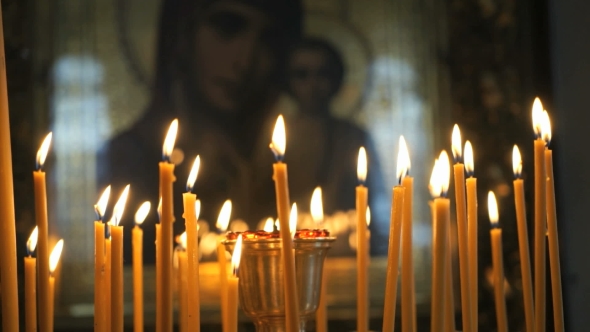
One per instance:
(403, 160)
(316, 206)
(278, 144)
(361, 170)
(236, 256)
(55, 255)
(101, 206)
(192, 177)
(468, 159)
(224, 216)
(456, 144)
(170, 140)
(142, 212)
(32, 241)
(43, 151)
(493, 209)
(516, 162)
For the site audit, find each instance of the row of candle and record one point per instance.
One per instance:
(442, 307)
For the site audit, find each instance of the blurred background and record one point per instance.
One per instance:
(107, 77)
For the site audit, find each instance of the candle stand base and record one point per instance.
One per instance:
(261, 284)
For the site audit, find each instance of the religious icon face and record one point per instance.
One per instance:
(235, 54)
(310, 79)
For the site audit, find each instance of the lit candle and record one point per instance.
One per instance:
(159, 267)
(232, 291)
(408, 309)
(117, 310)
(439, 184)
(523, 241)
(540, 222)
(459, 172)
(222, 223)
(552, 235)
(278, 147)
(362, 252)
(192, 248)
(42, 246)
(395, 230)
(108, 274)
(317, 214)
(183, 284)
(30, 283)
(498, 264)
(8, 268)
(53, 260)
(100, 303)
(137, 244)
(471, 184)
(166, 221)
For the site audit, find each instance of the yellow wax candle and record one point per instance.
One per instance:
(232, 290)
(42, 249)
(182, 287)
(552, 235)
(30, 294)
(395, 230)
(461, 212)
(51, 283)
(523, 241)
(408, 309)
(166, 221)
(107, 279)
(362, 253)
(53, 261)
(31, 284)
(8, 269)
(158, 278)
(278, 147)
(100, 304)
(471, 184)
(439, 184)
(317, 214)
(449, 289)
(117, 301)
(191, 215)
(540, 221)
(497, 260)
(222, 223)
(137, 244)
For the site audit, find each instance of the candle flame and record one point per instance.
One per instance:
(403, 160)
(445, 172)
(279, 140)
(269, 225)
(32, 241)
(236, 256)
(368, 216)
(546, 127)
(456, 143)
(537, 115)
(361, 170)
(142, 212)
(493, 209)
(316, 207)
(101, 206)
(170, 140)
(55, 255)
(434, 184)
(43, 151)
(182, 240)
(197, 208)
(468, 158)
(120, 206)
(224, 216)
(293, 219)
(192, 177)
(516, 162)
